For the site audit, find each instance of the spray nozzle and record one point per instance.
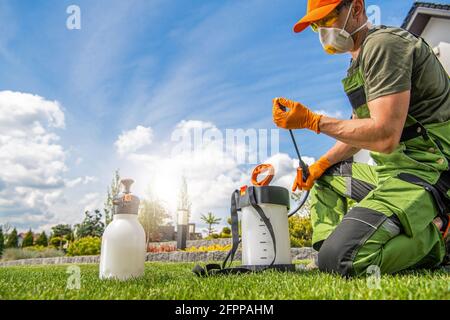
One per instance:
(127, 185)
(126, 203)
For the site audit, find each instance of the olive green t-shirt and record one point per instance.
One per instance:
(393, 61)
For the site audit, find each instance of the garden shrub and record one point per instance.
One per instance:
(225, 236)
(89, 246)
(300, 230)
(57, 242)
(213, 236)
(37, 248)
(226, 233)
(12, 254)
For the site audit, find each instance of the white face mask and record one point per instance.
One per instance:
(335, 40)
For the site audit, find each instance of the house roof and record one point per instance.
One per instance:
(421, 13)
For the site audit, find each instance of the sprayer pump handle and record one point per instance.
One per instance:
(127, 184)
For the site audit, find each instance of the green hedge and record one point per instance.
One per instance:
(89, 246)
(300, 231)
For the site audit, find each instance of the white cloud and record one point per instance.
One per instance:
(92, 201)
(33, 187)
(28, 152)
(24, 113)
(80, 181)
(133, 140)
(32, 161)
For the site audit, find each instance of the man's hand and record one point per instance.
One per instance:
(296, 117)
(315, 172)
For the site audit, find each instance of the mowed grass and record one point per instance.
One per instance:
(169, 281)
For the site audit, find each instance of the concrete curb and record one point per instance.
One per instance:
(177, 256)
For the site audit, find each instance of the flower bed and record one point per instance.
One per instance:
(214, 247)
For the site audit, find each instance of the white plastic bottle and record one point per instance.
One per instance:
(123, 243)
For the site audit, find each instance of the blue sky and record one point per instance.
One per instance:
(156, 63)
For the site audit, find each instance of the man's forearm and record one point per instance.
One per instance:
(358, 133)
(340, 152)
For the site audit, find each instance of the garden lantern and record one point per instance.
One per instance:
(182, 228)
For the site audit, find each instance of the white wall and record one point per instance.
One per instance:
(437, 34)
(443, 50)
(436, 31)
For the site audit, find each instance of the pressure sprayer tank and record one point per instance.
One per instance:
(123, 244)
(258, 248)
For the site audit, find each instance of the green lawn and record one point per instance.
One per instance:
(169, 281)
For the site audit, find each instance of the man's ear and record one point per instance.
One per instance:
(359, 8)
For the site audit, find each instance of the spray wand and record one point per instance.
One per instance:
(305, 171)
(303, 165)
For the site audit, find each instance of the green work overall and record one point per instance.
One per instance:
(383, 215)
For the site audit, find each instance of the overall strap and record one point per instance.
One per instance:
(417, 129)
(266, 221)
(413, 131)
(234, 229)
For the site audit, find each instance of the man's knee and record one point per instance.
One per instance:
(339, 251)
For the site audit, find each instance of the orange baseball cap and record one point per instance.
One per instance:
(317, 10)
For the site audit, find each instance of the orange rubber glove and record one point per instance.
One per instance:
(296, 117)
(315, 172)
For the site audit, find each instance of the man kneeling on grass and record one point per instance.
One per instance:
(400, 94)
